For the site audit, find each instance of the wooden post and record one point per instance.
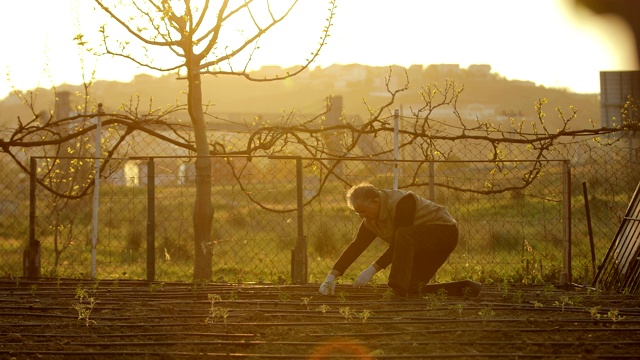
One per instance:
(151, 220)
(31, 255)
(299, 263)
(565, 275)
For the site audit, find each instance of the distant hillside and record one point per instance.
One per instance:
(491, 95)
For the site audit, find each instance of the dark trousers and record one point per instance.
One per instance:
(419, 251)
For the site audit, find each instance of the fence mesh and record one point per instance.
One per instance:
(510, 212)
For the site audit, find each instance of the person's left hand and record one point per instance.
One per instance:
(365, 276)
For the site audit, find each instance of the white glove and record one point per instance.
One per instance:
(365, 276)
(328, 287)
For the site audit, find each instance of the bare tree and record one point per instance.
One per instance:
(434, 139)
(196, 37)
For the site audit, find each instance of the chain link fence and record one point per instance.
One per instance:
(511, 211)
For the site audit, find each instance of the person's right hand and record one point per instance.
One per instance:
(328, 287)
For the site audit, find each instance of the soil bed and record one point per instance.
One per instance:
(138, 320)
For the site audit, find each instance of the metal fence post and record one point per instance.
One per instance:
(31, 255)
(151, 220)
(396, 141)
(565, 275)
(299, 261)
(96, 193)
(432, 180)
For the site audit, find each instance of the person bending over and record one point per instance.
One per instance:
(421, 234)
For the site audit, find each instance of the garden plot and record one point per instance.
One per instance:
(139, 320)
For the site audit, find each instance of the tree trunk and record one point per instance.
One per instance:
(203, 209)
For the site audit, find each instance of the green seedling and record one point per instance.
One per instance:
(537, 304)
(305, 301)
(486, 313)
(81, 293)
(34, 289)
(346, 312)
(577, 301)
(504, 287)
(614, 316)
(564, 300)
(432, 300)
(388, 295)
(115, 284)
(323, 308)
(233, 296)
(198, 284)
(84, 310)
(595, 312)
(442, 294)
(458, 309)
(95, 285)
(213, 298)
(364, 315)
(436, 299)
(216, 312)
(284, 296)
(153, 288)
(224, 313)
(518, 296)
(342, 296)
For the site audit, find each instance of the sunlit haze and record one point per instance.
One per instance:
(553, 43)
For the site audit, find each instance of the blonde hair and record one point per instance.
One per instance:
(361, 193)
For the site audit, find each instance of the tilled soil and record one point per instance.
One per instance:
(138, 320)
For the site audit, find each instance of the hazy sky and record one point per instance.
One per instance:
(550, 42)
